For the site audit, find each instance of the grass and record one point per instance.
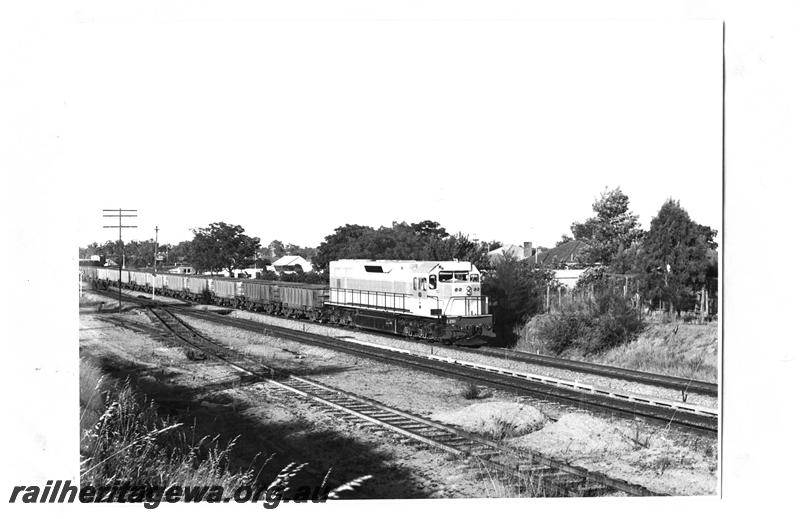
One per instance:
(677, 349)
(507, 482)
(125, 438)
(681, 350)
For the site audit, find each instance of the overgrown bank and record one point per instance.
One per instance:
(125, 438)
(677, 349)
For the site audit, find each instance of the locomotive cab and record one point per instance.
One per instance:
(457, 287)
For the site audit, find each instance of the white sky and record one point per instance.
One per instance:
(90, 89)
(505, 130)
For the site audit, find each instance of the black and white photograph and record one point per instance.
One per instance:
(304, 261)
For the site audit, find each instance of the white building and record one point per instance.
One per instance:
(292, 264)
(514, 251)
(182, 269)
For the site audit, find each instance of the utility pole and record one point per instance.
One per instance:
(120, 213)
(155, 262)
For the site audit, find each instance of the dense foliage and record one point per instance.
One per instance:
(515, 291)
(426, 240)
(221, 246)
(612, 234)
(591, 327)
(676, 257)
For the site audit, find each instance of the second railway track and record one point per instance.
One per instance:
(699, 420)
(552, 477)
(694, 418)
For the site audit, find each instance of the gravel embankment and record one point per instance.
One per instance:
(474, 356)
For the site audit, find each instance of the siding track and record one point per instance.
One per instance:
(694, 418)
(552, 477)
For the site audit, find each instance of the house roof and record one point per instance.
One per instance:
(565, 253)
(286, 261)
(510, 248)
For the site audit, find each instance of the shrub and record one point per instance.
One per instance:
(563, 331)
(471, 391)
(599, 326)
(515, 293)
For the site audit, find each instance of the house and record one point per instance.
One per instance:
(568, 277)
(292, 264)
(181, 269)
(568, 254)
(513, 251)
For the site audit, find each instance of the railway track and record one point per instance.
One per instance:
(685, 385)
(693, 418)
(552, 477)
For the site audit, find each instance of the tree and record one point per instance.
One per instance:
(346, 241)
(564, 239)
(676, 257)
(458, 247)
(428, 229)
(222, 246)
(611, 235)
(515, 290)
(180, 253)
(277, 249)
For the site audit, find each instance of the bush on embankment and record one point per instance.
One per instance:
(590, 328)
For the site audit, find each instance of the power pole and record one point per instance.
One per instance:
(155, 262)
(120, 213)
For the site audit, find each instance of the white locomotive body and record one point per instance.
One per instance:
(419, 298)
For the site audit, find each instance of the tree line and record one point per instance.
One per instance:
(673, 259)
(221, 246)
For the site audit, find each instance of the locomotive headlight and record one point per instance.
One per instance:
(469, 291)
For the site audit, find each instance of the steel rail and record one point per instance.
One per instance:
(554, 477)
(685, 385)
(683, 416)
(654, 379)
(698, 422)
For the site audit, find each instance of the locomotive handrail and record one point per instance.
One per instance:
(353, 291)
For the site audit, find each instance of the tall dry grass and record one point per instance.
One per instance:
(681, 350)
(125, 438)
(677, 349)
(507, 482)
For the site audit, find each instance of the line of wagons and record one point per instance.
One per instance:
(272, 297)
(295, 300)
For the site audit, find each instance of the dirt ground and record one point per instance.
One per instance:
(208, 395)
(475, 356)
(664, 461)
